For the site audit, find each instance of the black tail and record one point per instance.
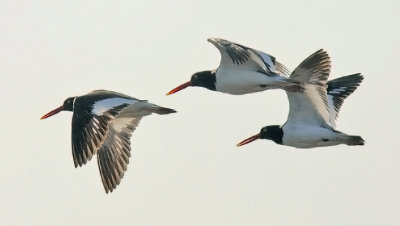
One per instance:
(354, 140)
(164, 111)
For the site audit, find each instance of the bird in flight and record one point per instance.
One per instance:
(103, 122)
(312, 113)
(242, 70)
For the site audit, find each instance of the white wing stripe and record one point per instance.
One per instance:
(102, 106)
(337, 90)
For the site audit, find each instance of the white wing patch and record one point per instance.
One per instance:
(332, 111)
(273, 65)
(102, 106)
(337, 90)
(267, 59)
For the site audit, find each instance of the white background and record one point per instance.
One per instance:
(185, 168)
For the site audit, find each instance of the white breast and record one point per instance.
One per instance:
(242, 82)
(309, 136)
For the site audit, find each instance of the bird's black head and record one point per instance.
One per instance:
(204, 79)
(274, 133)
(69, 104)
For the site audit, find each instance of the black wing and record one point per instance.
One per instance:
(89, 132)
(339, 89)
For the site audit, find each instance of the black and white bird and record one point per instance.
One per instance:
(242, 70)
(103, 122)
(312, 114)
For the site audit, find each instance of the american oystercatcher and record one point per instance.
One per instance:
(103, 122)
(243, 70)
(312, 114)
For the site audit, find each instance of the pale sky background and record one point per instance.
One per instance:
(185, 168)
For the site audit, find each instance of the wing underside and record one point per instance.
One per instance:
(113, 156)
(311, 106)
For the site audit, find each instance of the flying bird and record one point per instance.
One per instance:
(242, 70)
(103, 122)
(312, 114)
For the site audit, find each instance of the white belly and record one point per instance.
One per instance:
(306, 136)
(242, 82)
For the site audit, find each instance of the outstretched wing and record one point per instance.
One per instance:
(92, 116)
(113, 156)
(338, 90)
(311, 106)
(238, 57)
(89, 132)
(314, 69)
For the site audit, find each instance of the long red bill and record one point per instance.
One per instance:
(53, 112)
(248, 140)
(181, 87)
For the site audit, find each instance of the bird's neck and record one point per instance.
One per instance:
(209, 83)
(275, 133)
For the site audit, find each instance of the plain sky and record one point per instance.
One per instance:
(185, 168)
